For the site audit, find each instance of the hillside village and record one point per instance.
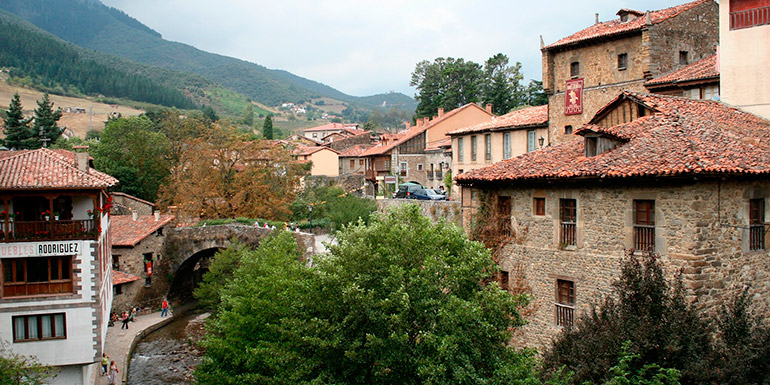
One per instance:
(655, 140)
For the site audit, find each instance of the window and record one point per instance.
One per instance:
(757, 224)
(147, 269)
(460, 149)
(117, 289)
(159, 232)
(531, 141)
(39, 327)
(473, 148)
(644, 225)
(710, 92)
(574, 69)
(402, 166)
(488, 147)
(315, 135)
(568, 219)
(622, 61)
(565, 302)
(37, 276)
(352, 163)
(419, 167)
(504, 213)
(590, 145)
(504, 280)
(568, 129)
(683, 57)
(360, 162)
(539, 206)
(506, 145)
(116, 262)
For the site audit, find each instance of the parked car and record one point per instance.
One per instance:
(428, 194)
(407, 189)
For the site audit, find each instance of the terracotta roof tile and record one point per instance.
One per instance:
(525, 117)
(705, 68)
(308, 150)
(119, 278)
(681, 137)
(47, 169)
(354, 151)
(615, 27)
(129, 232)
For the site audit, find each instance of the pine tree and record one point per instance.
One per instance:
(267, 128)
(18, 134)
(45, 126)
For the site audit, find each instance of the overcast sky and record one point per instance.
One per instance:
(364, 47)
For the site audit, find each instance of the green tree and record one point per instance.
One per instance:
(18, 134)
(400, 301)
(248, 115)
(446, 82)
(133, 151)
(22, 370)
(221, 271)
(535, 96)
(209, 113)
(267, 128)
(644, 309)
(502, 86)
(46, 118)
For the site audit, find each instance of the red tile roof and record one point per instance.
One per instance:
(119, 278)
(48, 169)
(703, 69)
(308, 150)
(525, 117)
(129, 232)
(681, 137)
(354, 151)
(616, 27)
(417, 130)
(331, 126)
(439, 145)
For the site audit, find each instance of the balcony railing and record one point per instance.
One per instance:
(565, 314)
(757, 237)
(644, 238)
(568, 231)
(19, 231)
(439, 175)
(430, 175)
(750, 18)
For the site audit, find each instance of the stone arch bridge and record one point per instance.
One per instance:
(187, 252)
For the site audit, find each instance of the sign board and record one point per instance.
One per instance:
(39, 249)
(390, 179)
(573, 93)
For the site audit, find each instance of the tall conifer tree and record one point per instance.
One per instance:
(18, 134)
(267, 128)
(46, 118)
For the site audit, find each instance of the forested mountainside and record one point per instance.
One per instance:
(64, 68)
(90, 24)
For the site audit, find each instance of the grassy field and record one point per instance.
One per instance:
(79, 123)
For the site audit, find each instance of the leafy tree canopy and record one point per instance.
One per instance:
(400, 301)
(22, 370)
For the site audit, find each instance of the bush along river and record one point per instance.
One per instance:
(168, 355)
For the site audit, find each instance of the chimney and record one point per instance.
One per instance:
(596, 18)
(647, 18)
(408, 125)
(81, 158)
(440, 112)
(134, 215)
(157, 215)
(489, 107)
(542, 44)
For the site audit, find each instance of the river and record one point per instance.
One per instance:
(167, 355)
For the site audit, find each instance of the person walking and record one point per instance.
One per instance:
(105, 363)
(114, 373)
(125, 320)
(164, 308)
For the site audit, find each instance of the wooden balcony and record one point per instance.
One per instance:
(644, 238)
(749, 18)
(565, 315)
(757, 237)
(430, 175)
(568, 236)
(52, 230)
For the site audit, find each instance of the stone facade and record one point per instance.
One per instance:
(701, 229)
(148, 291)
(651, 51)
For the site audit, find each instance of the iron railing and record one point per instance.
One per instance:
(644, 238)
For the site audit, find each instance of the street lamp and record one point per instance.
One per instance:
(541, 140)
(310, 208)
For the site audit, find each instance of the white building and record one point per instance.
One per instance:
(56, 282)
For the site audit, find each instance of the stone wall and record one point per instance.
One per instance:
(343, 144)
(701, 229)
(448, 210)
(131, 260)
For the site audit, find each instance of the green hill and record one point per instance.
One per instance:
(90, 24)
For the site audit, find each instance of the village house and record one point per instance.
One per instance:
(55, 246)
(699, 80)
(404, 155)
(351, 162)
(584, 71)
(319, 132)
(685, 179)
(744, 52)
(136, 244)
(325, 161)
(503, 137)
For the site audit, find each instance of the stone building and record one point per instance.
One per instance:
(584, 71)
(744, 51)
(503, 137)
(351, 162)
(54, 254)
(686, 179)
(136, 248)
(124, 204)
